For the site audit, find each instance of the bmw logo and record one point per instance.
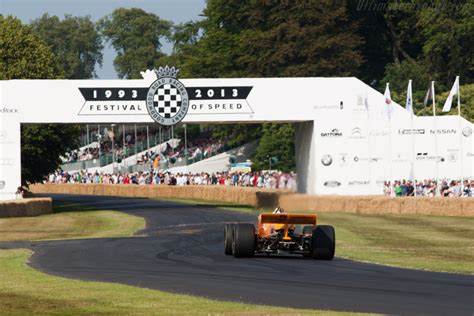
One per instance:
(326, 160)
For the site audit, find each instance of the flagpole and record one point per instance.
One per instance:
(460, 136)
(390, 145)
(412, 137)
(436, 139)
(366, 104)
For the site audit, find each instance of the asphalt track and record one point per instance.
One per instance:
(181, 251)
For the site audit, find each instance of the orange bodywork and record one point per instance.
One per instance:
(270, 222)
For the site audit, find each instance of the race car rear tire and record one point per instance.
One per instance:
(323, 242)
(228, 231)
(243, 242)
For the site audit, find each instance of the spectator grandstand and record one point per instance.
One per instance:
(128, 142)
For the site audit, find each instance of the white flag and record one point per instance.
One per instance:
(388, 102)
(409, 105)
(452, 93)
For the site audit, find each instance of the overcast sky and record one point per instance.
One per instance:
(174, 10)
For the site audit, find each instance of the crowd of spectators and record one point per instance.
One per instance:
(430, 188)
(197, 149)
(274, 180)
(81, 155)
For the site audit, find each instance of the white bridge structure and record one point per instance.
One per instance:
(348, 140)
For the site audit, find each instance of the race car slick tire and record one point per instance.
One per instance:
(243, 242)
(228, 238)
(323, 242)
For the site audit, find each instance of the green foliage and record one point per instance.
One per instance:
(398, 74)
(436, 39)
(25, 56)
(270, 39)
(41, 148)
(192, 131)
(74, 41)
(467, 103)
(237, 134)
(448, 34)
(376, 47)
(136, 37)
(277, 141)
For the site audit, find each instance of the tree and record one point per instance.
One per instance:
(136, 37)
(236, 135)
(448, 29)
(24, 56)
(75, 43)
(277, 141)
(270, 39)
(467, 103)
(376, 47)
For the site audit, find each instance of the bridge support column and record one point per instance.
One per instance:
(10, 153)
(305, 156)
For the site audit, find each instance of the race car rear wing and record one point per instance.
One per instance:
(270, 218)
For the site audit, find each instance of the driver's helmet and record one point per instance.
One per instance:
(278, 210)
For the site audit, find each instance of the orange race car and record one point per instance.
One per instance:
(280, 232)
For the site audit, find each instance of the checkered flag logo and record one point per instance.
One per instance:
(167, 101)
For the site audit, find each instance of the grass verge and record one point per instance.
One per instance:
(25, 291)
(435, 243)
(221, 205)
(70, 222)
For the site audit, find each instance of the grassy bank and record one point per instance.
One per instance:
(25, 291)
(70, 222)
(436, 243)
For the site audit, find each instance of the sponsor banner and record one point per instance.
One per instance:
(424, 156)
(6, 162)
(467, 131)
(379, 132)
(356, 133)
(358, 182)
(332, 184)
(332, 133)
(443, 131)
(357, 158)
(326, 107)
(326, 160)
(167, 101)
(361, 104)
(8, 110)
(131, 101)
(415, 131)
(343, 159)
